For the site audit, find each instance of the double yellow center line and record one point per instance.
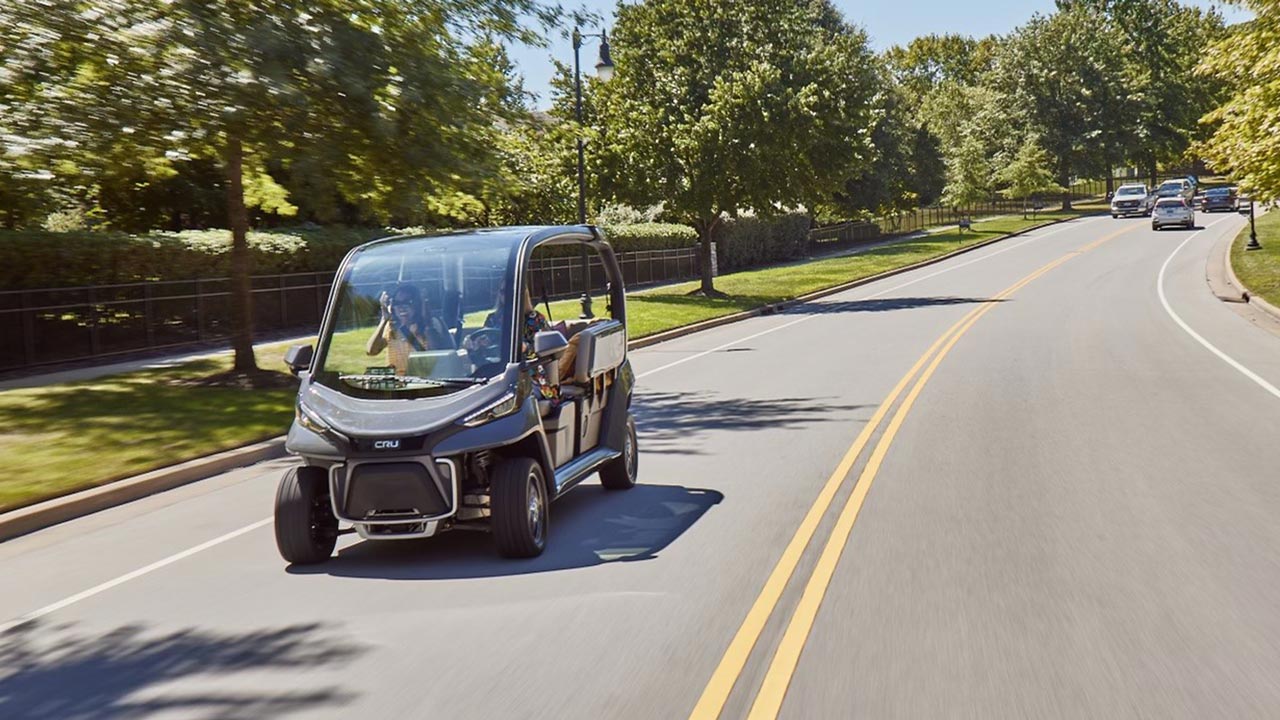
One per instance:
(772, 692)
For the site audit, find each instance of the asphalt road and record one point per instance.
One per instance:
(1067, 509)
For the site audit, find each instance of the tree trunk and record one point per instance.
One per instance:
(1064, 179)
(706, 235)
(1151, 169)
(241, 288)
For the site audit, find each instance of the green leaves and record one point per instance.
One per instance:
(718, 107)
(1245, 138)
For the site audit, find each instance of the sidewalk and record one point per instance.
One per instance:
(97, 371)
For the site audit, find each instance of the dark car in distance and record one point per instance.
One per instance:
(1220, 198)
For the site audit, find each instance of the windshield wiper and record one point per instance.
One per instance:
(405, 382)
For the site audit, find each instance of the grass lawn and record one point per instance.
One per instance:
(70, 436)
(671, 306)
(1259, 270)
(74, 435)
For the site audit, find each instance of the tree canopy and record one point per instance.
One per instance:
(1245, 139)
(722, 106)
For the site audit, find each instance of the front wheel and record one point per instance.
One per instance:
(306, 529)
(620, 473)
(519, 508)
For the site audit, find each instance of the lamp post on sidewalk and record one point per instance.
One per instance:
(1253, 231)
(604, 71)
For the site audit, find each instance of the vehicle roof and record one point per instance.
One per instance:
(1176, 181)
(1171, 201)
(1140, 186)
(1217, 190)
(497, 237)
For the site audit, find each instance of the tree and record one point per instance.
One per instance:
(1246, 125)
(1067, 74)
(720, 106)
(888, 183)
(1155, 114)
(968, 175)
(1030, 174)
(932, 60)
(377, 100)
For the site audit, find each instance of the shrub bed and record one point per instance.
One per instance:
(750, 241)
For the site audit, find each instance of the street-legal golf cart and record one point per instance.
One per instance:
(439, 399)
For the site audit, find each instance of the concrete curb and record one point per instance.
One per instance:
(1245, 294)
(51, 512)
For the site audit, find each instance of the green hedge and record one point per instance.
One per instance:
(750, 241)
(650, 236)
(40, 259)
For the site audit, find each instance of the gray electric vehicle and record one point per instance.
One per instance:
(437, 399)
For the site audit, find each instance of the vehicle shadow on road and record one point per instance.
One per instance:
(51, 672)
(670, 423)
(589, 526)
(885, 304)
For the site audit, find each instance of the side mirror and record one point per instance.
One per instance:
(298, 358)
(549, 344)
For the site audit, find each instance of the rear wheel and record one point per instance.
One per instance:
(306, 530)
(519, 508)
(620, 473)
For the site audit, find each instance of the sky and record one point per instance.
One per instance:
(887, 22)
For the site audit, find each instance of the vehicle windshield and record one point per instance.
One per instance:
(419, 317)
(1218, 191)
(1132, 190)
(1171, 203)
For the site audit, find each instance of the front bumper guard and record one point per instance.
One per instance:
(400, 526)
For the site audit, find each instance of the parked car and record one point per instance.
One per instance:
(478, 414)
(1131, 200)
(1220, 198)
(1179, 187)
(1173, 211)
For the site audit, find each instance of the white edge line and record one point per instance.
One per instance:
(718, 348)
(1164, 300)
(47, 609)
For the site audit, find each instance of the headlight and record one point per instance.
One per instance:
(309, 419)
(504, 406)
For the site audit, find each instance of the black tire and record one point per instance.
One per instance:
(620, 474)
(306, 530)
(519, 507)
(1114, 216)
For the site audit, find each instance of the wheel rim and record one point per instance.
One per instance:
(320, 518)
(629, 451)
(537, 509)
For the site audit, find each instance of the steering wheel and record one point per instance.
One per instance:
(484, 347)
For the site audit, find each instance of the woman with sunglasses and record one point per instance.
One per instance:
(406, 326)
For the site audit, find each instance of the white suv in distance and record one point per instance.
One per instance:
(1131, 200)
(1180, 187)
(1173, 211)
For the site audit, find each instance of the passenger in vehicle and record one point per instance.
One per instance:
(406, 326)
(531, 323)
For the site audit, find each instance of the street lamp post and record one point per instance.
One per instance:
(1253, 231)
(604, 71)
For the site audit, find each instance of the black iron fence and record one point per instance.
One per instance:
(55, 325)
(60, 324)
